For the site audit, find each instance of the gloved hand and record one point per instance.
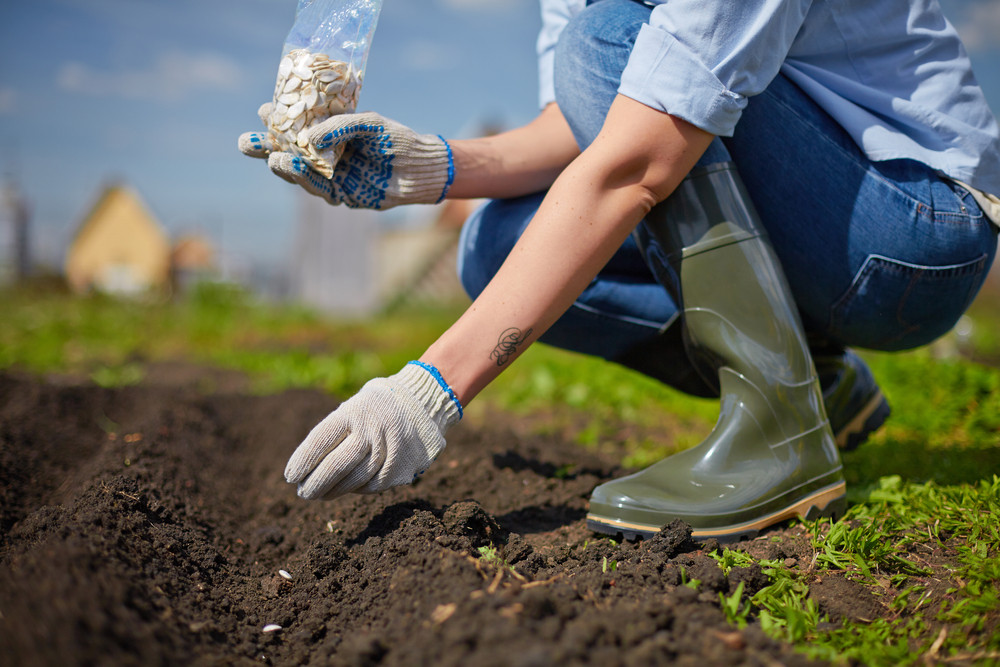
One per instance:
(385, 435)
(384, 164)
(257, 144)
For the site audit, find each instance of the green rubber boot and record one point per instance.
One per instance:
(771, 456)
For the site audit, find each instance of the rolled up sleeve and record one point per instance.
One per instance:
(700, 60)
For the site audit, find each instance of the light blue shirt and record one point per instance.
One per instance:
(893, 74)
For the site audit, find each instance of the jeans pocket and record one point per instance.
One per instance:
(894, 305)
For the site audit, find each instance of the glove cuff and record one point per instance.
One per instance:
(428, 169)
(430, 389)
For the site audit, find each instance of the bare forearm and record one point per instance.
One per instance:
(547, 269)
(587, 214)
(518, 162)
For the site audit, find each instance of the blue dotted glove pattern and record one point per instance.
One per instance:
(361, 177)
(320, 186)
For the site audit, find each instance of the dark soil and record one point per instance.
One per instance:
(147, 526)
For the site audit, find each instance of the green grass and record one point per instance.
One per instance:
(279, 347)
(932, 551)
(924, 484)
(945, 426)
(981, 341)
(600, 404)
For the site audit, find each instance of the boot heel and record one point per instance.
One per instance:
(833, 510)
(869, 420)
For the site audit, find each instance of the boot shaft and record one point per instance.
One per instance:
(771, 455)
(738, 314)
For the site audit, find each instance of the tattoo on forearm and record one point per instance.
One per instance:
(508, 343)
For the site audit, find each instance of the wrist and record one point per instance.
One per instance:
(425, 168)
(451, 170)
(431, 390)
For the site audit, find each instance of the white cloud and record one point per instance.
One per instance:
(979, 25)
(8, 100)
(172, 76)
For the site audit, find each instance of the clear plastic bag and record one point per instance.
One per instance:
(320, 74)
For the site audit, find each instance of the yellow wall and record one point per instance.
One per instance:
(119, 247)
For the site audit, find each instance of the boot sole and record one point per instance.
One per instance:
(868, 420)
(830, 502)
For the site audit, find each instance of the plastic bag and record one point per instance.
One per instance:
(320, 74)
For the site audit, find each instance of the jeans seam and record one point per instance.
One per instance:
(968, 202)
(891, 264)
(626, 319)
(894, 265)
(926, 210)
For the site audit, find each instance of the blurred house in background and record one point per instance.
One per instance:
(119, 248)
(419, 263)
(353, 262)
(334, 258)
(345, 262)
(15, 256)
(192, 260)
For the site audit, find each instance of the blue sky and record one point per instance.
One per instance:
(155, 92)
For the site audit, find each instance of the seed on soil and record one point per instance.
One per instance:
(285, 574)
(310, 89)
(271, 628)
(732, 640)
(443, 612)
(511, 611)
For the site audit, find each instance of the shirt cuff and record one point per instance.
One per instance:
(664, 74)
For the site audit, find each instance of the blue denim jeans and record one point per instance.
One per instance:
(880, 255)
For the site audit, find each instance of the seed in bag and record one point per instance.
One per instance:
(311, 87)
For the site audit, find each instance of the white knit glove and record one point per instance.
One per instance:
(385, 435)
(384, 164)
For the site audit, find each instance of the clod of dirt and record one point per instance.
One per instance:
(753, 579)
(674, 538)
(516, 550)
(841, 598)
(706, 570)
(364, 651)
(468, 519)
(324, 556)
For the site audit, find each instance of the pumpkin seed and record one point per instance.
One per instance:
(310, 88)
